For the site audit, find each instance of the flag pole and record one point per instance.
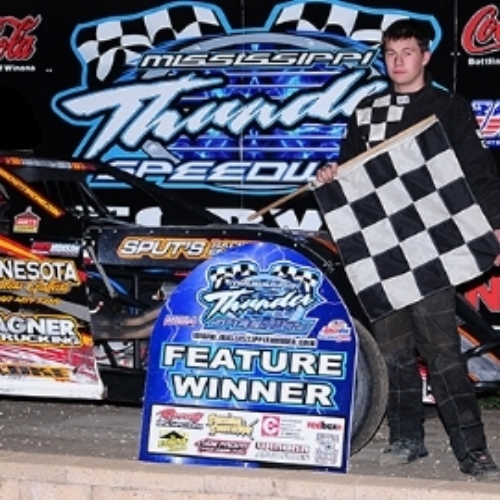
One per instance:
(313, 184)
(284, 199)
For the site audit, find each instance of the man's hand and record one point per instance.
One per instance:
(497, 234)
(328, 172)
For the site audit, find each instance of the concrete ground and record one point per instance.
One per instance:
(102, 430)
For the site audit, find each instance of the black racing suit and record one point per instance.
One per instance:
(429, 327)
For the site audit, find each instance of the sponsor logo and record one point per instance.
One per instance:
(173, 441)
(283, 452)
(137, 247)
(481, 34)
(172, 418)
(193, 110)
(327, 452)
(27, 222)
(17, 42)
(242, 297)
(325, 426)
(288, 447)
(56, 249)
(179, 321)
(55, 276)
(229, 424)
(15, 370)
(222, 447)
(270, 426)
(337, 330)
(487, 113)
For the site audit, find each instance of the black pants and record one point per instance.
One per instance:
(429, 328)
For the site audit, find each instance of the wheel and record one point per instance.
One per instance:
(370, 392)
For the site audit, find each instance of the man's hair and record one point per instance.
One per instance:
(409, 28)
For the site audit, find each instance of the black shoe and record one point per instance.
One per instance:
(403, 451)
(480, 465)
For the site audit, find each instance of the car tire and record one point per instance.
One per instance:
(370, 392)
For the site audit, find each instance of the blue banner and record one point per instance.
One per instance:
(252, 361)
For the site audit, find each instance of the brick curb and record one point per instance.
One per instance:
(26, 476)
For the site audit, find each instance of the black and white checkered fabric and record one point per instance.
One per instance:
(109, 46)
(405, 221)
(338, 18)
(306, 278)
(220, 276)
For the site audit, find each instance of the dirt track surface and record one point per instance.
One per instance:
(102, 430)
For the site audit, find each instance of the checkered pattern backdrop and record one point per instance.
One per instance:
(336, 18)
(107, 47)
(405, 221)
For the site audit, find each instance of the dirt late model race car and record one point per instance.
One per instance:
(81, 288)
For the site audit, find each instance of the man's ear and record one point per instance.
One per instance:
(427, 57)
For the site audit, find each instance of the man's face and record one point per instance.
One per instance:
(405, 63)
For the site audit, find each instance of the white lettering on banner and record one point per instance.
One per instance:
(232, 301)
(247, 360)
(136, 111)
(254, 391)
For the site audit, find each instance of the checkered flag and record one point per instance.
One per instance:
(306, 278)
(107, 48)
(405, 220)
(354, 22)
(219, 276)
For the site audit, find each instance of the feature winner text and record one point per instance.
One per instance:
(266, 375)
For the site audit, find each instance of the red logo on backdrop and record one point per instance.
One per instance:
(270, 426)
(16, 41)
(481, 34)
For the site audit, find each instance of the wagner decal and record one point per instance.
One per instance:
(187, 101)
(47, 330)
(138, 247)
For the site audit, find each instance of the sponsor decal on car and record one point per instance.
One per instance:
(26, 222)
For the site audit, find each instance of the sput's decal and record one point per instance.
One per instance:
(158, 247)
(187, 101)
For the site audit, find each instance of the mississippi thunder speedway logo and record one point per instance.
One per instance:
(179, 97)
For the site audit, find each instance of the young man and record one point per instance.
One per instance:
(428, 327)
